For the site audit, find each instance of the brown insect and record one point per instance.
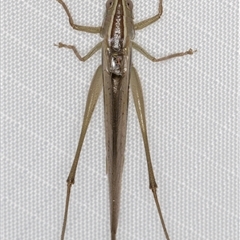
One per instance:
(115, 75)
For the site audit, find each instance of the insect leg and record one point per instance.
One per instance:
(139, 105)
(83, 59)
(78, 27)
(150, 20)
(93, 94)
(150, 57)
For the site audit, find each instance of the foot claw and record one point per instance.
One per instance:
(59, 45)
(190, 51)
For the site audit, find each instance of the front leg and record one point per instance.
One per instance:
(150, 20)
(78, 27)
(82, 59)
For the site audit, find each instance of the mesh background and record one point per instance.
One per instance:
(191, 109)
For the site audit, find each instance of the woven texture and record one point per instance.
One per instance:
(191, 110)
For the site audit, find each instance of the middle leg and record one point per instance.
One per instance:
(153, 59)
(83, 59)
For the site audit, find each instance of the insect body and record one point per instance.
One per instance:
(115, 76)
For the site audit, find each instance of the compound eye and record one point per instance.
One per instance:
(129, 4)
(109, 4)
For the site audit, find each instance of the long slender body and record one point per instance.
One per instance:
(116, 63)
(116, 75)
